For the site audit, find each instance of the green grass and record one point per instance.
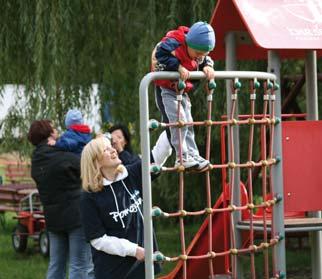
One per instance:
(298, 261)
(168, 237)
(31, 265)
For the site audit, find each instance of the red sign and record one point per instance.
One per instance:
(283, 24)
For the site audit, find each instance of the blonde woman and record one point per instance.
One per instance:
(111, 207)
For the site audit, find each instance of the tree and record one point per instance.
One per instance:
(58, 49)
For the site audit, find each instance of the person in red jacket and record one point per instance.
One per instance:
(183, 50)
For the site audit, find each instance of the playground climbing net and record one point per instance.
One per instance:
(235, 207)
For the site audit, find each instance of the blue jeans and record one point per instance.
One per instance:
(69, 247)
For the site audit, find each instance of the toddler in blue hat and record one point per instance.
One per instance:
(77, 135)
(183, 50)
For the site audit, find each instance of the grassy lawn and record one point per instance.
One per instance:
(298, 261)
(31, 265)
(168, 236)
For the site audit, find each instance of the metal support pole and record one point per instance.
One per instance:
(230, 45)
(274, 66)
(313, 114)
(311, 86)
(146, 180)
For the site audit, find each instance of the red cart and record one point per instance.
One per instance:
(31, 224)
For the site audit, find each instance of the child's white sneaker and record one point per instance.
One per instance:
(202, 162)
(188, 162)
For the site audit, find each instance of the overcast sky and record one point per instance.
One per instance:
(6, 101)
(92, 120)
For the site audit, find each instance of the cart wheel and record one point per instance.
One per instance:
(20, 238)
(44, 243)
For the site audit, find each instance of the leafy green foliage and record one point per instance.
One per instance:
(58, 49)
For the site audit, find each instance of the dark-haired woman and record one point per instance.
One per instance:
(121, 141)
(57, 175)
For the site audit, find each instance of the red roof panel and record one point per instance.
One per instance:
(288, 26)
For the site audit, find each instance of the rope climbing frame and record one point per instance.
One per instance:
(260, 84)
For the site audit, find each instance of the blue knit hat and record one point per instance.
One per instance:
(73, 116)
(201, 37)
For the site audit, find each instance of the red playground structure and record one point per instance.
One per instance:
(289, 170)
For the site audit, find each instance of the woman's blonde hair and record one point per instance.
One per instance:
(92, 179)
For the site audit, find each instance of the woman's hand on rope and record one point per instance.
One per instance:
(140, 253)
(184, 73)
(209, 72)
